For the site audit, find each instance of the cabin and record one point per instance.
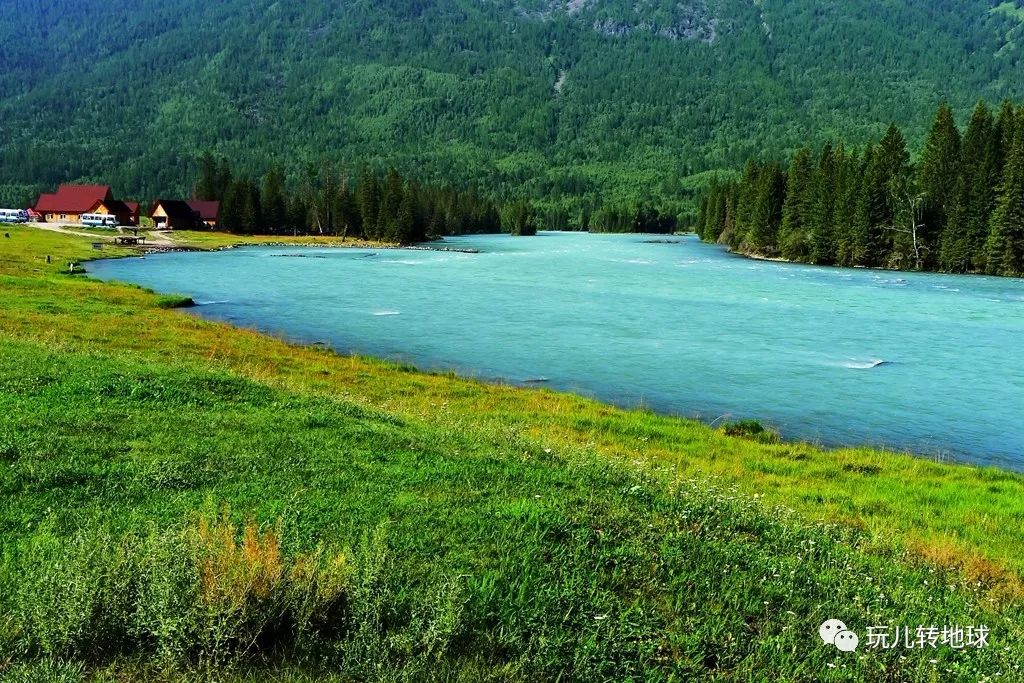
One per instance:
(208, 210)
(70, 202)
(179, 214)
(174, 214)
(127, 213)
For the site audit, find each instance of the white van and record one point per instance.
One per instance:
(13, 216)
(99, 220)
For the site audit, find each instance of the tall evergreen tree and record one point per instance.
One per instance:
(938, 178)
(275, 209)
(233, 207)
(962, 242)
(794, 234)
(747, 196)
(349, 221)
(1006, 129)
(848, 173)
(1005, 244)
(766, 216)
(298, 215)
(368, 199)
(872, 212)
(224, 179)
(822, 243)
(208, 186)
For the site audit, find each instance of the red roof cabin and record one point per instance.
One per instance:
(70, 202)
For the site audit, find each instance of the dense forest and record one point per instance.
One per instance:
(327, 202)
(959, 208)
(584, 108)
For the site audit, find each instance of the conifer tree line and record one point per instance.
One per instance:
(326, 201)
(959, 208)
(389, 207)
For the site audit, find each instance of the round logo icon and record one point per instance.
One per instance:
(847, 641)
(830, 629)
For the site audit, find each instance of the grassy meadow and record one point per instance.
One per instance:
(183, 500)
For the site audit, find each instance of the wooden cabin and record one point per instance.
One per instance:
(70, 202)
(179, 214)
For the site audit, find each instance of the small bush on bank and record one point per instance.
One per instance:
(753, 430)
(175, 301)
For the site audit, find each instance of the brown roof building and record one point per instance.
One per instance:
(208, 210)
(179, 214)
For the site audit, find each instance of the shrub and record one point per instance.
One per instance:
(175, 301)
(751, 429)
(209, 592)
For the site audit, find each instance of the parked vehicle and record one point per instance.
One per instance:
(99, 220)
(13, 216)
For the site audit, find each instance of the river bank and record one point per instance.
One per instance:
(195, 413)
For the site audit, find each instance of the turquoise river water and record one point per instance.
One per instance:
(927, 363)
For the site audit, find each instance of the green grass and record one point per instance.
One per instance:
(407, 526)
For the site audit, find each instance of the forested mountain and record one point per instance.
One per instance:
(576, 104)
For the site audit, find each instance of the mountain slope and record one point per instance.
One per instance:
(590, 99)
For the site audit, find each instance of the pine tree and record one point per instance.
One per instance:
(368, 200)
(347, 211)
(1005, 244)
(233, 207)
(767, 212)
(962, 243)
(822, 242)
(207, 187)
(404, 231)
(298, 215)
(938, 178)
(1006, 128)
(223, 184)
(747, 195)
(275, 209)
(848, 173)
(794, 234)
(391, 197)
(872, 212)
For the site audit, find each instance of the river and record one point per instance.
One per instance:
(922, 362)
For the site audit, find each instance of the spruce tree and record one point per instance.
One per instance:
(938, 178)
(1006, 128)
(822, 243)
(207, 187)
(767, 212)
(872, 212)
(794, 236)
(1005, 244)
(962, 243)
(368, 199)
(392, 194)
(298, 215)
(848, 172)
(275, 209)
(747, 196)
(233, 207)
(347, 211)
(224, 178)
